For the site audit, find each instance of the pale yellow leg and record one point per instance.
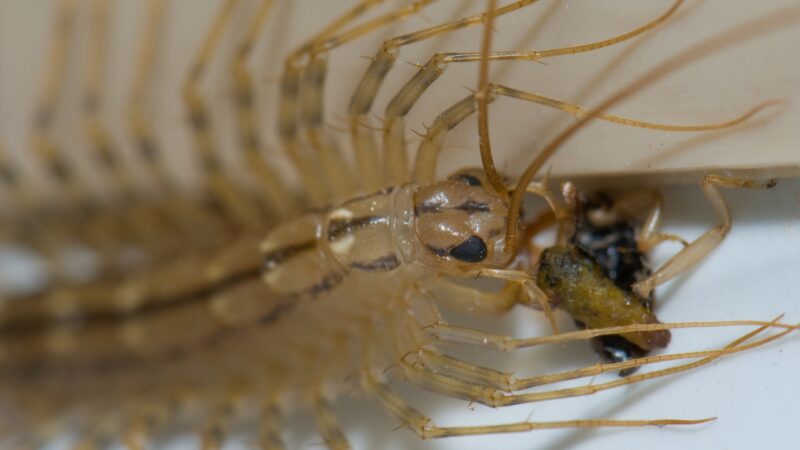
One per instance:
(327, 424)
(534, 295)
(471, 300)
(242, 210)
(490, 395)
(269, 436)
(468, 372)
(455, 334)
(426, 429)
(272, 187)
(215, 430)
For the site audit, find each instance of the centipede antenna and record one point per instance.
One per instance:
(579, 111)
(482, 98)
(763, 25)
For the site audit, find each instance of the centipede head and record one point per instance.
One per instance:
(461, 222)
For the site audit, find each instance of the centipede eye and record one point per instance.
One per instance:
(472, 250)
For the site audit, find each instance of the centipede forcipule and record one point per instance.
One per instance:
(218, 339)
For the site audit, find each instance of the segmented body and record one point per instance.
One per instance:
(237, 308)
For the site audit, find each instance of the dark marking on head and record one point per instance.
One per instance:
(471, 180)
(471, 207)
(382, 264)
(471, 250)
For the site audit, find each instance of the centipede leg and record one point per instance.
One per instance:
(703, 245)
(474, 301)
(241, 208)
(338, 173)
(289, 108)
(270, 428)
(534, 295)
(213, 433)
(472, 373)
(273, 188)
(327, 424)
(424, 427)
(428, 152)
(489, 395)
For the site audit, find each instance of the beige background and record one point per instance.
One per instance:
(716, 88)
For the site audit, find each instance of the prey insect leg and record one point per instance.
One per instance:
(631, 205)
(702, 246)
